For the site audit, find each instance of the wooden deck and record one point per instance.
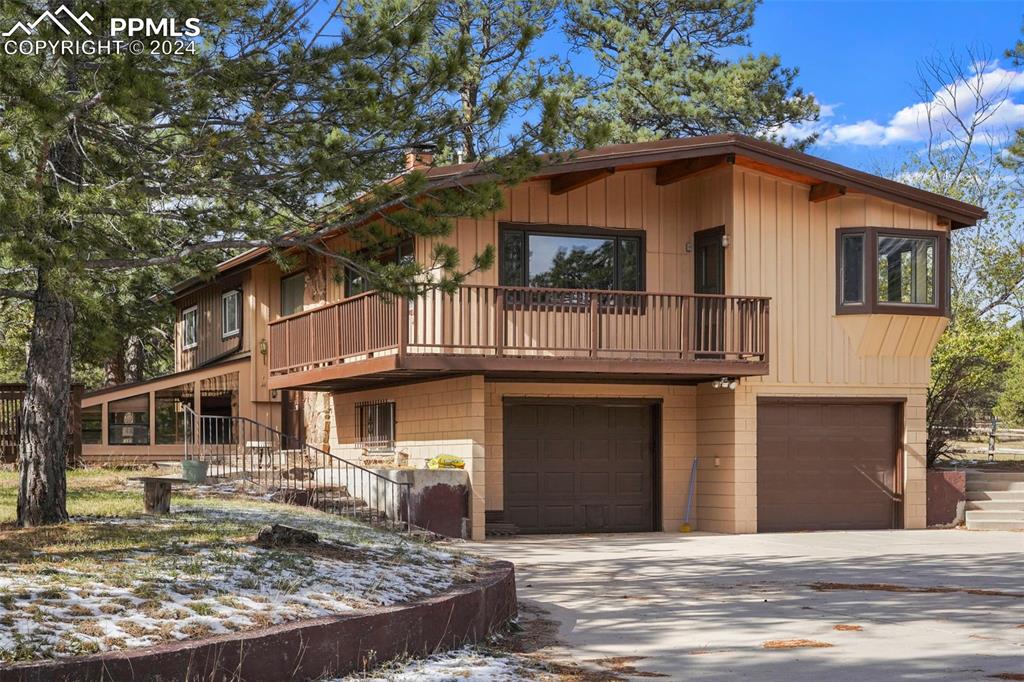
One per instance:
(371, 339)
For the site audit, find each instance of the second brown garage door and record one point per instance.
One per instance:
(826, 466)
(579, 467)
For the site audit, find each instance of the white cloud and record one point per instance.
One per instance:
(959, 98)
(910, 124)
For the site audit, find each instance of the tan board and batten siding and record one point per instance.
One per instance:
(781, 246)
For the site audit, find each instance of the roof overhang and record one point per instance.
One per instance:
(679, 158)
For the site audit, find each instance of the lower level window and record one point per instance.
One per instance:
(376, 425)
(128, 421)
(92, 425)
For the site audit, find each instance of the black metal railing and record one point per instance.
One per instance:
(273, 464)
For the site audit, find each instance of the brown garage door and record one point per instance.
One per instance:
(579, 468)
(826, 466)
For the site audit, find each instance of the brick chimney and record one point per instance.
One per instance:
(419, 157)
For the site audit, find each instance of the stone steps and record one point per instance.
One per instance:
(995, 501)
(996, 505)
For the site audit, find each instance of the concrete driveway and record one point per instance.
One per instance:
(704, 606)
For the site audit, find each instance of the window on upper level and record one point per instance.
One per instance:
(293, 293)
(189, 328)
(567, 257)
(230, 313)
(892, 271)
(357, 282)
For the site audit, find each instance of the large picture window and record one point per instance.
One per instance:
(881, 270)
(568, 257)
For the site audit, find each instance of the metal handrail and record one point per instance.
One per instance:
(291, 470)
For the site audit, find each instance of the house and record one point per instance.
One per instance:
(722, 298)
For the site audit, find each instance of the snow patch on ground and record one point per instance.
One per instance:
(141, 598)
(464, 665)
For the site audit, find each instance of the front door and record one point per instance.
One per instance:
(709, 278)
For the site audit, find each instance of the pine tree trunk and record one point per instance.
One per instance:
(134, 359)
(42, 447)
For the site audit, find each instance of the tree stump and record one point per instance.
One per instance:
(157, 496)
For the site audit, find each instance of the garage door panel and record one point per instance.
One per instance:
(558, 483)
(627, 483)
(525, 516)
(561, 448)
(825, 465)
(556, 517)
(527, 482)
(593, 467)
(594, 450)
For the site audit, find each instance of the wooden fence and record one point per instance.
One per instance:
(11, 396)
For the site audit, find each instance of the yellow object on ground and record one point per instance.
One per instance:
(446, 462)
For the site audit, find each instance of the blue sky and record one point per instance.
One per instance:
(861, 58)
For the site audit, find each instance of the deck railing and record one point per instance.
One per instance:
(274, 465)
(497, 321)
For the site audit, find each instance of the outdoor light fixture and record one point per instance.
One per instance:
(726, 382)
(725, 241)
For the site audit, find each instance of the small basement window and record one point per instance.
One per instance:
(231, 322)
(880, 270)
(190, 328)
(375, 423)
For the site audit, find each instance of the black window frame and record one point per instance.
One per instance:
(869, 303)
(388, 419)
(556, 230)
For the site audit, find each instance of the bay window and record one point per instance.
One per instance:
(882, 270)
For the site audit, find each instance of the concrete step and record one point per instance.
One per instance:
(1003, 495)
(995, 515)
(995, 475)
(995, 505)
(974, 485)
(995, 525)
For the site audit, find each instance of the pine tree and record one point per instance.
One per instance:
(263, 136)
(662, 71)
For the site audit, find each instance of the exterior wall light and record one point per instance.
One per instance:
(726, 382)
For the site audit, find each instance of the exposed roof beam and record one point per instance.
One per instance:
(567, 182)
(824, 191)
(677, 170)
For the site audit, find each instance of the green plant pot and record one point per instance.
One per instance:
(194, 470)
